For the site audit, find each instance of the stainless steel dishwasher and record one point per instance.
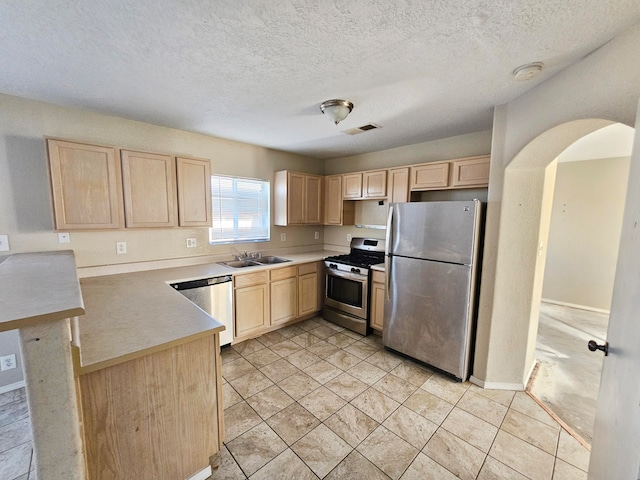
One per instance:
(214, 295)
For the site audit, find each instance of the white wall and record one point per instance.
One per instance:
(530, 132)
(586, 221)
(25, 204)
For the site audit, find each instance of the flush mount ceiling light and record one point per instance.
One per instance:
(527, 71)
(337, 110)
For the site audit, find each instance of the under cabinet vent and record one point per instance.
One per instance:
(362, 129)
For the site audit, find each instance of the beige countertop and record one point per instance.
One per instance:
(132, 314)
(38, 287)
(379, 267)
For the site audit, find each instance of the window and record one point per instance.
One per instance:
(240, 209)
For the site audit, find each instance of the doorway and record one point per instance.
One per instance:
(582, 249)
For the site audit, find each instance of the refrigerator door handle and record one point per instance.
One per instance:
(389, 232)
(387, 263)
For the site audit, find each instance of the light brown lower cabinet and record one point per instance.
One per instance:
(377, 300)
(268, 299)
(251, 300)
(284, 294)
(159, 416)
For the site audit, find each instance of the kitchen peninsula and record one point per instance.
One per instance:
(142, 386)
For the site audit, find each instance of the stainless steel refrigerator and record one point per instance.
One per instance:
(431, 262)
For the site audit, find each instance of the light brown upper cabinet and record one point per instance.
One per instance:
(86, 185)
(470, 172)
(374, 184)
(336, 212)
(429, 176)
(297, 198)
(398, 185)
(149, 184)
(194, 192)
(351, 186)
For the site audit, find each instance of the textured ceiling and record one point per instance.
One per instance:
(256, 71)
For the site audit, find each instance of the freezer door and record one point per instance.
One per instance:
(427, 313)
(442, 231)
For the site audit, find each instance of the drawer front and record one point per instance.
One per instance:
(282, 273)
(378, 276)
(247, 279)
(308, 268)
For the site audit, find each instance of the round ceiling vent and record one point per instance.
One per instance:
(527, 71)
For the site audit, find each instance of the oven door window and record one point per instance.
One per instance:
(344, 290)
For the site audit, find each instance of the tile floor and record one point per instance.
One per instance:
(568, 375)
(15, 437)
(316, 401)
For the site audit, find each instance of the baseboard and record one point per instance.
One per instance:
(574, 305)
(496, 385)
(11, 387)
(202, 474)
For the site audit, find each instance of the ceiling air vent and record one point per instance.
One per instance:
(362, 129)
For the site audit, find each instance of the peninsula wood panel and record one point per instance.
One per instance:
(153, 417)
(149, 183)
(86, 185)
(377, 300)
(194, 192)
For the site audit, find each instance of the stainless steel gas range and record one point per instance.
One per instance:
(347, 280)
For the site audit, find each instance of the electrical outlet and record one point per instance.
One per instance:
(121, 247)
(4, 243)
(8, 362)
(316, 235)
(192, 242)
(348, 237)
(283, 237)
(64, 238)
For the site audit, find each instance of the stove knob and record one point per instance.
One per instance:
(333, 265)
(355, 270)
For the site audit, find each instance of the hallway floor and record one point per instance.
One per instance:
(316, 401)
(568, 376)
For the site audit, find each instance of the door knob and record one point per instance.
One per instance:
(593, 346)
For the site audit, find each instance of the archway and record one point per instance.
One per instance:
(509, 306)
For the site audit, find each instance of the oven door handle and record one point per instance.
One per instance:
(347, 275)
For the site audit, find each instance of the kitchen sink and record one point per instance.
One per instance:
(240, 263)
(270, 260)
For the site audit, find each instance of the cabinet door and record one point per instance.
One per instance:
(352, 185)
(252, 309)
(86, 185)
(471, 172)
(284, 300)
(333, 200)
(308, 288)
(377, 305)
(295, 198)
(194, 192)
(374, 184)
(149, 182)
(313, 199)
(430, 176)
(398, 186)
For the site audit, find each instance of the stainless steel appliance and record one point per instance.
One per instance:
(346, 300)
(431, 262)
(215, 296)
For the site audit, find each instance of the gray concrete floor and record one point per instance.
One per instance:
(568, 377)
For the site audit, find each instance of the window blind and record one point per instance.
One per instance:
(240, 209)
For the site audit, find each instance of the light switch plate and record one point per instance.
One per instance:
(4, 243)
(316, 235)
(283, 237)
(192, 242)
(348, 237)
